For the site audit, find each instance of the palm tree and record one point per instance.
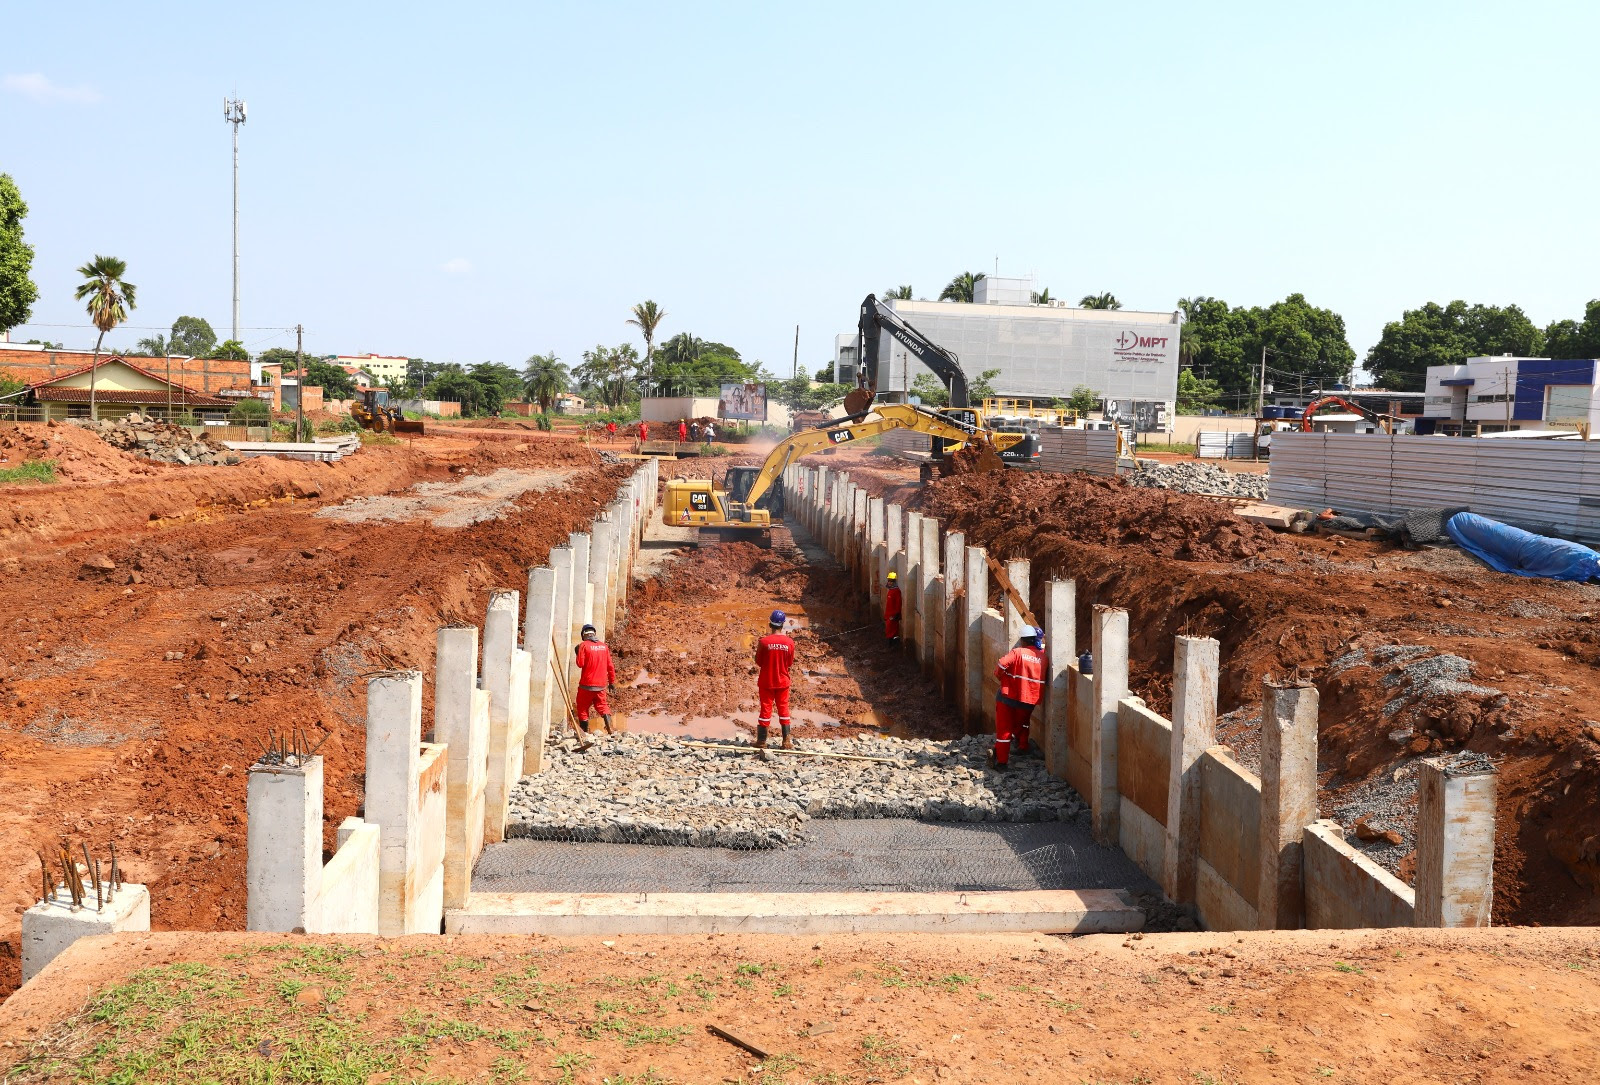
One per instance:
(898, 293)
(1042, 297)
(647, 317)
(544, 378)
(154, 346)
(109, 299)
(1105, 300)
(961, 288)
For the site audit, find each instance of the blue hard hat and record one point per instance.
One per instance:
(778, 618)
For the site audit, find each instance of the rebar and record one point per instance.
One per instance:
(292, 749)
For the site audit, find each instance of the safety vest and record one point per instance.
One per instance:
(1021, 674)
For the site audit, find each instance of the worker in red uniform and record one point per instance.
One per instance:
(1021, 673)
(683, 430)
(611, 430)
(774, 656)
(644, 430)
(596, 674)
(892, 605)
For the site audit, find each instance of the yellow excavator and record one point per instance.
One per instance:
(751, 499)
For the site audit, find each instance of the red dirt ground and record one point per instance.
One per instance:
(133, 700)
(1281, 604)
(696, 624)
(1398, 1007)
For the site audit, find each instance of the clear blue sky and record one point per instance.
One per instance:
(469, 182)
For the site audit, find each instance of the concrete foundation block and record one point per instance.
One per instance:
(348, 900)
(974, 602)
(283, 831)
(52, 925)
(1060, 620)
(1110, 647)
(537, 623)
(1288, 800)
(1195, 674)
(1455, 841)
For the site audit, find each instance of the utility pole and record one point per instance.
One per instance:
(233, 111)
(1261, 383)
(795, 371)
(299, 383)
(1506, 395)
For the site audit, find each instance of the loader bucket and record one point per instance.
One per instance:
(408, 425)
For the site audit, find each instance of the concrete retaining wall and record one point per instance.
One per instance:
(430, 806)
(1245, 854)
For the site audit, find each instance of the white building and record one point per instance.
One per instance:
(382, 366)
(1505, 393)
(1128, 358)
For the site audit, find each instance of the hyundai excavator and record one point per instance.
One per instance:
(1016, 445)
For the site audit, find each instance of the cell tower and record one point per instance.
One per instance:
(233, 111)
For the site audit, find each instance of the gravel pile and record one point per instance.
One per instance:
(1197, 478)
(160, 441)
(651, 789)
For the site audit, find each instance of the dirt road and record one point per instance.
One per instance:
(1365, 1008)
(155, 629)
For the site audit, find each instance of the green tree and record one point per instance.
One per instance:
(151, 346)
(983, 387)
(1575, 338)
(501, 384)
(453, 385)
(647, 317)
(1105, 300)
(961, 288)
(1084, 399)
(333, 380)
(192, 336)
(107, 297)
(1305, 341)
(608, 373)
(824, 375)
(1447, 335)
(802, 394)
(928, 388)
(687, 366)
(1196, 395)
(898, 293)
(1042, 297)
(544, 378)
(251, 412)
(231, 350)
(17, 290)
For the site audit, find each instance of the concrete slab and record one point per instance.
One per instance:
(1093, 911)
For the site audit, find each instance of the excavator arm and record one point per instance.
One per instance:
(886, 416)
(1384, 420)
(876, 318)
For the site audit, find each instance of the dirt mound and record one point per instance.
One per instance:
(997, 509)
(79, 456)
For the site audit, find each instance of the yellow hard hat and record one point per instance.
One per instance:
(894, 576)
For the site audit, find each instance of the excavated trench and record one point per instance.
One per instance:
(907, 805)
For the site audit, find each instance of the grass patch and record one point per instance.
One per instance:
(29, 471)
(882, 1055)
(1340, 966)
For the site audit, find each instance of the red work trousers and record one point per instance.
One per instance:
(1010, 730)
(891, 627)
(591, 700)
(769, 698)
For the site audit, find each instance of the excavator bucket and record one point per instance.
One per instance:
(974, 458)
(857, 400)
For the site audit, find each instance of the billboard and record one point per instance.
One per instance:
(746, 401)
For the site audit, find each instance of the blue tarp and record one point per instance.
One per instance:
(1521, 553)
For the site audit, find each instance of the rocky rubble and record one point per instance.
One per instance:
(160, 441)
(1197, 478)
(651, 789)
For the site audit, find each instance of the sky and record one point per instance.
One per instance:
(478, 182)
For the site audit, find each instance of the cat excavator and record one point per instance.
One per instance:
(750, 500)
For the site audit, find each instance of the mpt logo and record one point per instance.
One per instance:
(1127, 341)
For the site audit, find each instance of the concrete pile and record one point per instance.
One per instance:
(651, 789)
(1197, 478)
(160, 441)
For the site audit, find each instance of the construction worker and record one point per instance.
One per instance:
(1021, 673)
(774, 656)
(683, 430)
(644, 431)
(596, 674)
(611, 430)
(709, 432)
(892, 605)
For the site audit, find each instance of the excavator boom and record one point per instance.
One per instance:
(877, 318)
(696, 502)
